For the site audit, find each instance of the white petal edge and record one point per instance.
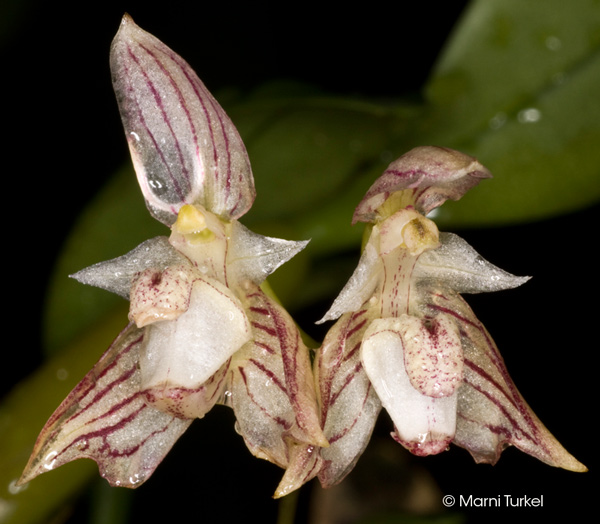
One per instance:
(116, 275)
(254, 257)
(457, 264)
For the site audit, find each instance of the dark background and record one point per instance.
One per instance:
(62, 138)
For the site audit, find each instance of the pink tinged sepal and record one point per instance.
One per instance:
(416, 368)
(106, 418)
(430, 174)
(304, 464)
(184, 147)
(271, 390)
(348, 403)
(492, 414)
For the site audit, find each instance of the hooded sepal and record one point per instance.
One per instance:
(429, 175)
(106, 418)
(184, 147)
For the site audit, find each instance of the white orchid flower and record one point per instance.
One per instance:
(202, 330)
(406, 340)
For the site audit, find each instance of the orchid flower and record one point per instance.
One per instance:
(406, 340)
(202, 331)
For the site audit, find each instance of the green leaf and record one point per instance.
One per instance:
(517, 87)
(115, 222)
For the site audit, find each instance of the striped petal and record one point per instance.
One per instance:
(491, 412)
(430, 175)
(185, 149)
(105, 418)
(271, 388)
(349, 405)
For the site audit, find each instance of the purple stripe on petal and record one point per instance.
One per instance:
(185, 148)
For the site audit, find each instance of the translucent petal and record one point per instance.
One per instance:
(116, 275)
(361, 285)
(254, 257)
(184, 147)
(348, 403)
(459, 266)
(106, 418)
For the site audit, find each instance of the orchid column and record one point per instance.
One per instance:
(202, 330)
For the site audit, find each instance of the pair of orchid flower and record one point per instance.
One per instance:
(203, 331)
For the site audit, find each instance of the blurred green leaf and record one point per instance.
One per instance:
(115, 222)
(517, 86)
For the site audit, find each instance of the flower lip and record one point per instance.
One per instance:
(430, 174)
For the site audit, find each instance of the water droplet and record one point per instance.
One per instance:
(50, 460)
(553, 43)
(13, 489)
(497, 121)
(136, 478)
(529, 115)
